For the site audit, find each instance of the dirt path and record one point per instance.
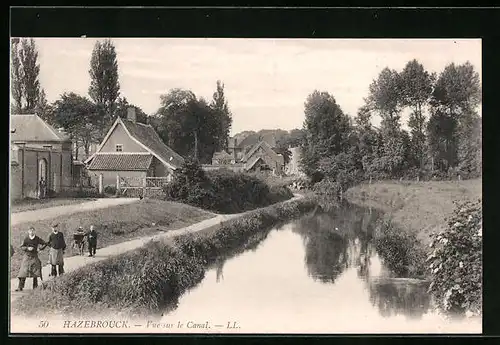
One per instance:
(52, 212)
(75, 262)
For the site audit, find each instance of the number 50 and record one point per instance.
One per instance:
(43, 324)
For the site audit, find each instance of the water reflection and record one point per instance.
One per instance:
(301, 273)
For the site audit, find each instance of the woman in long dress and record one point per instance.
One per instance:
(31, 266)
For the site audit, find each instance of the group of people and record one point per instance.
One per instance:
(31, 266)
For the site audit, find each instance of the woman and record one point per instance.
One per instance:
(31, 266)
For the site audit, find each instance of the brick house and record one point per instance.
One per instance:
(134, 150)
(38, 151)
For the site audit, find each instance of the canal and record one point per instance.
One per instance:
(318, 274)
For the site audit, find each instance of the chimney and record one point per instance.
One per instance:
(131, 114)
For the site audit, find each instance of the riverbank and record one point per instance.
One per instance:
(147, 279)
(418, 207)
(115, 224)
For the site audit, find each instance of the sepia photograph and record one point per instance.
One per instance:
(245, 186)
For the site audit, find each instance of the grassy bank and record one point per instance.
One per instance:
(420, 207)
(147, 280)
(37, 204)
(114, 224)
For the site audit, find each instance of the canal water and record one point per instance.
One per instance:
(319, 274)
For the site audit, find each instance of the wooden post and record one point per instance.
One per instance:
(118, 184)
(101, 179)
(144, 187)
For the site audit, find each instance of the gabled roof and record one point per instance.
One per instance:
(33, 128)
(121, 162)
(146, 136)
(266, 148)
(221, 154)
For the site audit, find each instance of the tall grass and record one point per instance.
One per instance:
(144, 281)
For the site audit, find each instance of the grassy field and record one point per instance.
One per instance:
(36, 204)
(114, 224)
(416, 206)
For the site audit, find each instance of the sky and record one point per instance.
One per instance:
(266, 80)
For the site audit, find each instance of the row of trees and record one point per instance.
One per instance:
(190, 125)
(444, 128)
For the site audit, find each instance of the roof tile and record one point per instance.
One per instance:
(121, 162)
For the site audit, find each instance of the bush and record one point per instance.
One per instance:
(110, 189)
(222, 190)
(400, 251)
(456, 262)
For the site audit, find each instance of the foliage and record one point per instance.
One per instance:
(79, 117)
(470, 146)
(151, 278)
(327, 131)
(400, 251)
(16, 76)
(189, 125)
(456, 261)
(222, 190)
(104, 87)
(122, 106)
(221, 110)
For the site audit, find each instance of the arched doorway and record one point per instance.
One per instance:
(42, 177)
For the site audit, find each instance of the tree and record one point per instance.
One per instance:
(469, 145)
(189, 125)
(122, 106)
(327, 131)
(80, 118)
(454, 100)
(16, 77)
(104, 87)
(457, 89)
(221, 110)
(44, 109)
(368, 143)
(416, 90)
(30, 72)
(385, 98)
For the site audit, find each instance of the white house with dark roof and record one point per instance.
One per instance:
(38, 152)
(132, 149)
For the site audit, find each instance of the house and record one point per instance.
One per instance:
(134, 150)
(240, 145)
(262, 157)
(38, 151)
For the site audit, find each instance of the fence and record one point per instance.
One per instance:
(135, 187)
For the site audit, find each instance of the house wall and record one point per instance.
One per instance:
(109, 177)
(120, 136)
(25, 179)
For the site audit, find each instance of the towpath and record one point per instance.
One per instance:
(74, 262)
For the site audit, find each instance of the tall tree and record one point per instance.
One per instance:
(80, 118)
(221, 110)
(455, 98)
(16, 77)
(326, 132)
(31, 70)
(189, 125)
(104, 87)
(416, 89)
(44, 109)
(385, 98)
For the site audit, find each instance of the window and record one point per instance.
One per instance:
(119, 147)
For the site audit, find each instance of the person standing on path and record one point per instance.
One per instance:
(92, 240)
(57, 247)
(31, 266)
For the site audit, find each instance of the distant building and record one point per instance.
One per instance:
(38, 152)
(132, 149)
(262, 157)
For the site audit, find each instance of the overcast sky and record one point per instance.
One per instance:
(266, 80)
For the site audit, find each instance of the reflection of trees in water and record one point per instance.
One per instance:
(335, 241)
(400, 297)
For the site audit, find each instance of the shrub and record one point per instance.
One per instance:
(400, 251)
(110, 189)
(222, 190)
(456, 261)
